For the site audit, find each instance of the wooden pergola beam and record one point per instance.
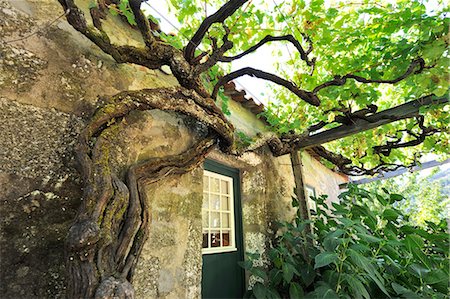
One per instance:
(404, 111)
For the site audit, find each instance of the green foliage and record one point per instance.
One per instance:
(210, 79)
(175, 41)
(92, 4)
(361, 248)
(371, 39)
(243, 139)
(224, 105)
(123, 8)
(426, 197)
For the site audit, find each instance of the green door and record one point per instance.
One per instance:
(222, 233)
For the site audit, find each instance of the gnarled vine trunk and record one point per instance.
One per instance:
(104, 244)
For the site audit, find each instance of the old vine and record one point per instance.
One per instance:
(105, 242)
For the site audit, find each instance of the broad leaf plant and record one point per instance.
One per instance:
(363, 247)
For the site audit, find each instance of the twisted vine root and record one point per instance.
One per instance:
(104, 244)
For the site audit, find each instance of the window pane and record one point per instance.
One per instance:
(215, 239)
(205, 219)
(205, 204)
(217, 212)
(225, 203)
(205, 240)
(225, 187)
(225, 220)
(226, 238)
(205, 183)
(215, 219)
(214, 185)
(215, 202)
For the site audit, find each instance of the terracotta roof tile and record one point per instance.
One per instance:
(246, 101)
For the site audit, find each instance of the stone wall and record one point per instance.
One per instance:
(51, 80)
(40, 192)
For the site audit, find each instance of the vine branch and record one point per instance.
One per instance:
(419, 138)
(292, 141)
(104, 244)
(307, 96)
(142, 23)
(290, 38)
(160, 54)
(216, 53)
(416, 66)
(219, 16)
(345, 165)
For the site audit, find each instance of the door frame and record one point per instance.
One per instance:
(216, 167)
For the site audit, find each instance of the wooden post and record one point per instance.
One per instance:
(296, 161)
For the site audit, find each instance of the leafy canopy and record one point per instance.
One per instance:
(371, 39)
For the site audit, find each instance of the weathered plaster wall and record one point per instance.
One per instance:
(324, 180)
(57, 67)
(170, 266)
(50, 82)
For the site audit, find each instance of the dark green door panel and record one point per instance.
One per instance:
(221, 275)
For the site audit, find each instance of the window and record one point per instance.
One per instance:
(217, 213)
(310, 192)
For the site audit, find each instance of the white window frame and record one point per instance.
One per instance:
(232, 246)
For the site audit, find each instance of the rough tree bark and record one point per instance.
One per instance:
(105, 242)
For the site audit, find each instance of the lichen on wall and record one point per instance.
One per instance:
(174, 240)
(36, 142)
(41, 192)
(13, 21)
(18, 67)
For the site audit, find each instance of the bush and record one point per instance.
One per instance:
(361, 248)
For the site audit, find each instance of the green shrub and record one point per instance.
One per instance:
(361, 248)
